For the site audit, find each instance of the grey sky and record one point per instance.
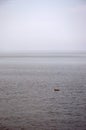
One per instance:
(42, 25)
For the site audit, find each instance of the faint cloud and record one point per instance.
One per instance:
(79, 8)
(3, 2)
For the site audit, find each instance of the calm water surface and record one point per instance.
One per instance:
(27, 97)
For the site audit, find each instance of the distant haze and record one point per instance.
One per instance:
(57, 25)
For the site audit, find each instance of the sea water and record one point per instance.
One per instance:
(27, 97)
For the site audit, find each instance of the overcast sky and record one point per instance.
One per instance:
(42, 25)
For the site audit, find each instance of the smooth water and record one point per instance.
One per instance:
(27, 97)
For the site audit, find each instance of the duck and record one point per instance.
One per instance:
(56, 89)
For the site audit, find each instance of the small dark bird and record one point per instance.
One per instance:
(56, 89)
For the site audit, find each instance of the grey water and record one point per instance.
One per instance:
(27, 97)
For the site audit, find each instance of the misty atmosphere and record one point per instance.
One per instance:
(27, 25)
(42, 65)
